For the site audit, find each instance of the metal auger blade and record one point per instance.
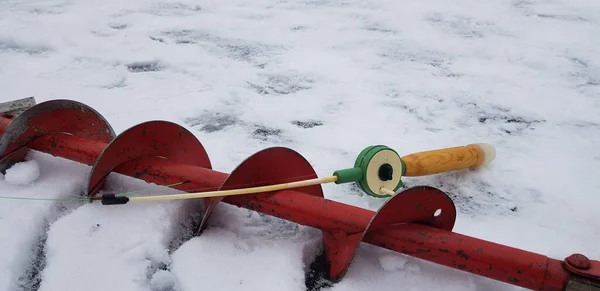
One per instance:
(137, 149)
(48, 122)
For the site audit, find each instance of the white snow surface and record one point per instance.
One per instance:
(22, 173)
(325, 78)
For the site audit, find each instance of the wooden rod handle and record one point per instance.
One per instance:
(448, 159)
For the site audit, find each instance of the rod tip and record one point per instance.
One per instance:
(112, 199)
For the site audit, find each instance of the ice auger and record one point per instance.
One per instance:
(279, 182)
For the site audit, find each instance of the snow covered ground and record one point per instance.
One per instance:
(325, 78)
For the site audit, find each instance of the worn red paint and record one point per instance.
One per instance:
(151, 169)
(342, 221)
(4, 122)
(150, 139)
(582, 266)
(58, 117)
(578, 261)
(495, 261)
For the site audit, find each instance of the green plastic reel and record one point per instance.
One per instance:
(376, 167)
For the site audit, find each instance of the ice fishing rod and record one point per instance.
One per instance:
(377, 171)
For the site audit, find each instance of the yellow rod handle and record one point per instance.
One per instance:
(448, 159)
(242, 191)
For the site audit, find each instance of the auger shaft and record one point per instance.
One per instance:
(156, 170)
(488, 259)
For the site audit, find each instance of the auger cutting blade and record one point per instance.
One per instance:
(47, 123)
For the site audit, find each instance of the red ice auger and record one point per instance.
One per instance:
(280, 182)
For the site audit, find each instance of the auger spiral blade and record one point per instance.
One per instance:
(138, 149)
(46, 123)
(269, 166)
(424, 205)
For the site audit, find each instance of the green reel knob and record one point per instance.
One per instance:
(376, 168)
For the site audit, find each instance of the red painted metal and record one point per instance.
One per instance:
(12, 158)
(70, 147)
(150, 169)
(149, 139)
(419, 204)
(410, 229)
(270, 166)
(5, 120)
(584, 267)
(54, 117)
(514, 266)
(578, 261)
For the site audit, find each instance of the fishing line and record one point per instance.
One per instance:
(46, 199)
(87, 199)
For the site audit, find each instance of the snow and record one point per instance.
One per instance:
(237, 265)
(325, 78)
(392, 262)
(22, 173)
(163, 280)
(368, 272)
(23, 223)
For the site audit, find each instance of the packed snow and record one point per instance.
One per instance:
(325, 78)
(23, 173)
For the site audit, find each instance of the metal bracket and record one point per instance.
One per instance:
(581, 285)
(586, 273)
(16, 107)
